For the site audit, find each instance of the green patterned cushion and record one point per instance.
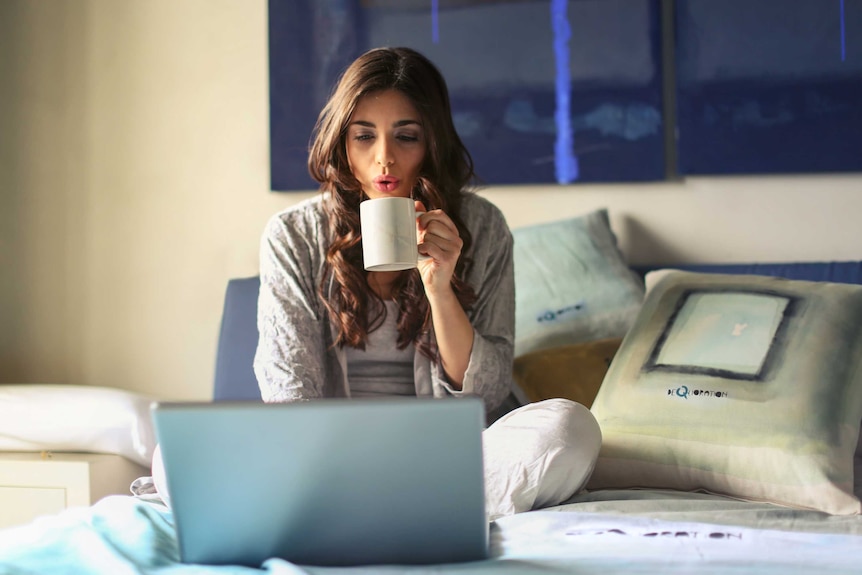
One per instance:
(746, 386)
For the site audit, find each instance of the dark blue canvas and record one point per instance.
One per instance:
(542, 92)
(768, 86)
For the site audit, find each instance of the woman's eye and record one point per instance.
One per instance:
(363, 137)
(408, 137)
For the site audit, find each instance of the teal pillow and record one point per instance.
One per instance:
(746, 386)
(572, 284)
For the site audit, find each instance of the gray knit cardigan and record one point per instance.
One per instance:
(296, 359)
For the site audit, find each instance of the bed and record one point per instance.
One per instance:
(717, 489)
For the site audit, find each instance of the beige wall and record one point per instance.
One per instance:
(134, 183)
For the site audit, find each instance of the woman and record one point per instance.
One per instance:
(328, 328)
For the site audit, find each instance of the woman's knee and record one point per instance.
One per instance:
(539, 455)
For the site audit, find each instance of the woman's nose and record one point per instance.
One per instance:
(384, 156)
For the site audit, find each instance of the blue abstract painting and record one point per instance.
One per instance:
(769, 86)
(543, 91)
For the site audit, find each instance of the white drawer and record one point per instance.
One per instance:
(34, 484)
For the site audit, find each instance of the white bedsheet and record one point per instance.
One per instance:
(124, 535)
(620, 544)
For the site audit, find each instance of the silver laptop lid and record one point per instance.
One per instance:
(327, 482)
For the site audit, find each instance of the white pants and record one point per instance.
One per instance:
(538, 455)
(535, 456)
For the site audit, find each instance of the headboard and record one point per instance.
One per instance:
(237, 342)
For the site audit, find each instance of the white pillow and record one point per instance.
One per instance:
(538, 455)
(857, 467)
(53, 417)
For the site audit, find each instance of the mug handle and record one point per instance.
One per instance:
(421, 257)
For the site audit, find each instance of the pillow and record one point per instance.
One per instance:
(571, 284)
(857, 469)
(745, 386)
(572, 371)
(35, 417)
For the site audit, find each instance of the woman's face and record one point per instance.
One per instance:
(385, 144)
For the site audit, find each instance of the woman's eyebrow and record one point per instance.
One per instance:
(397, 124)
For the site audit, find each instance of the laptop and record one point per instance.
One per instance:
(332, 482)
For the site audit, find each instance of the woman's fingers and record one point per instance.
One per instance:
(437, 227)
(439, 221)
(441, 233)
(440, 241)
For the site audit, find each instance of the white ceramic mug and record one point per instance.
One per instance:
(389, 241)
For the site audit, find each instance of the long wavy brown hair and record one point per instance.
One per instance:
(445, 173)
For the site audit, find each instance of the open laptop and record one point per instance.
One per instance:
(328, 482)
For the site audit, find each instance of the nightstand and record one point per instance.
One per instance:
(34, 484)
